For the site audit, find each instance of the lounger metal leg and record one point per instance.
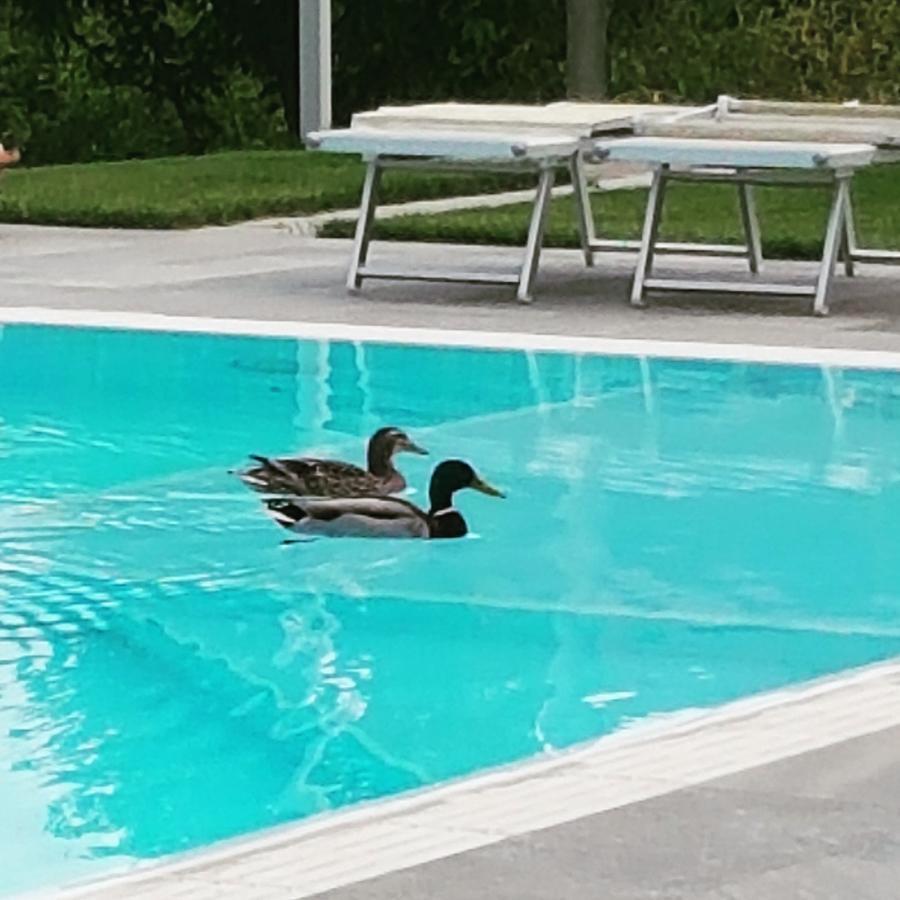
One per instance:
(535, 234)
(583, 211)
(649, 235)
(751, 227)
(848, 243)
(363, 236)
(654, 248)
(833, 237)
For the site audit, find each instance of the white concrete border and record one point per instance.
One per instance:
(648, 760)
(311, 225)
(493, 340)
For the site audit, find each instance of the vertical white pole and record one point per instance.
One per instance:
(315, 65)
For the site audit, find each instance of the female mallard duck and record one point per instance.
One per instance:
(311, 477)
(387, 517)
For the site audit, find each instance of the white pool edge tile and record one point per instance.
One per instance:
(493, 340)
(649, 760)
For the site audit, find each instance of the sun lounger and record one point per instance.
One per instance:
(731, 118)
(547, 138)
(543, 139)
(745, 163)
(575, 119)
(541, 153)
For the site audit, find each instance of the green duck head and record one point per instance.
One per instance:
(453, 475)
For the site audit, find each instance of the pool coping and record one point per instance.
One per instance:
(652, 758)
(471, 338)
(648, 760)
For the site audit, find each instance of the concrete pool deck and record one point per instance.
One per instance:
(819, 820)
(820, 826)
(258, 271)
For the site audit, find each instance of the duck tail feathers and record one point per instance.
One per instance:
(262, 475)
(252, 478)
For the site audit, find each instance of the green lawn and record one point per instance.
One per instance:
(186, 191)
(792, 220)
(230, 187)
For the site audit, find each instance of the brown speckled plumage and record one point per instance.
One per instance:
(306, 476)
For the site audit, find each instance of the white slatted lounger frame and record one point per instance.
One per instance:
(745, 163)
(574, 118)
(485, 150)
(737, 119)
(454, 150)
(877, 124)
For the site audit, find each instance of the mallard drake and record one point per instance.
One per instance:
(309, 476)
(385, 517)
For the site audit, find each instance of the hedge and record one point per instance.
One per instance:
(64, 106)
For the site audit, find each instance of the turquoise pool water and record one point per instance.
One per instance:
(677, 534)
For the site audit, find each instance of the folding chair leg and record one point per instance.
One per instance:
(583, 211)
(834, 233)
(535, 234)
(364, 223)
(649, 235)
(848, 242)
(751, 227)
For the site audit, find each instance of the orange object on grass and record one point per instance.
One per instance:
(9, 157)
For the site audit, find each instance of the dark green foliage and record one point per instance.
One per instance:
(406, 50)
(111, 79)
(783, 49)
(105, 79)
(167, 50)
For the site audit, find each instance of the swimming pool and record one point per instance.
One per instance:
(677, 534)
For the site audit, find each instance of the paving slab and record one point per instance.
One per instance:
(819, 826)
(262, 272)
